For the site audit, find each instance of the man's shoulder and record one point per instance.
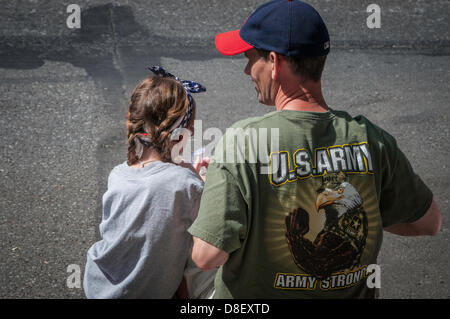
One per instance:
(273, 118)
(355, 125)
(255, 121)
(374, 131)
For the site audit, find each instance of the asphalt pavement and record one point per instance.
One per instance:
(64, 95)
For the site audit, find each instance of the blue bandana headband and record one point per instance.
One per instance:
(189, 86)
(143, 139)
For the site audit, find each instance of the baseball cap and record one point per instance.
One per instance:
(287, 27)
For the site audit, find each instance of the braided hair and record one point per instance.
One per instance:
(156, 104)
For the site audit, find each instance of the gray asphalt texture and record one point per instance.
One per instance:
(64, 95)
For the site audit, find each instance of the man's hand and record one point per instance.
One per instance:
(207, 256)
(201, 165)
(429, 224)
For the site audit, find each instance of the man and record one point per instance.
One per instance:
(311, 226)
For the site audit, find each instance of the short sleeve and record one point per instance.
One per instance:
(194, 188)
(404, 196)
(222, 218)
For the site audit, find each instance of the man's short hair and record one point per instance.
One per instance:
(308, 68)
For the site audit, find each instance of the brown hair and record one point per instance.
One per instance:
(156, 104)
(308, 68)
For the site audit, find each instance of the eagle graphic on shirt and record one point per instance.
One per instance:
(339, 245)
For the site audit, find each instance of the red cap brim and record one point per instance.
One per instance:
(230, 43)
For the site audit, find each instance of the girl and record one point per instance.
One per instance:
(150, 203)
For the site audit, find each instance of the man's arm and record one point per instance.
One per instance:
(428, 224)
(207, 256)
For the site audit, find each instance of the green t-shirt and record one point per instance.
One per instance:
(299, 201)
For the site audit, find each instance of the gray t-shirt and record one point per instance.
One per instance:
(145, 245)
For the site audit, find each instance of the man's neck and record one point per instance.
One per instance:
(301, 98)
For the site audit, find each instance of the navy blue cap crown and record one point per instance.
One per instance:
(290, 28)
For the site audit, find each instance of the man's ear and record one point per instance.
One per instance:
(275, 59)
